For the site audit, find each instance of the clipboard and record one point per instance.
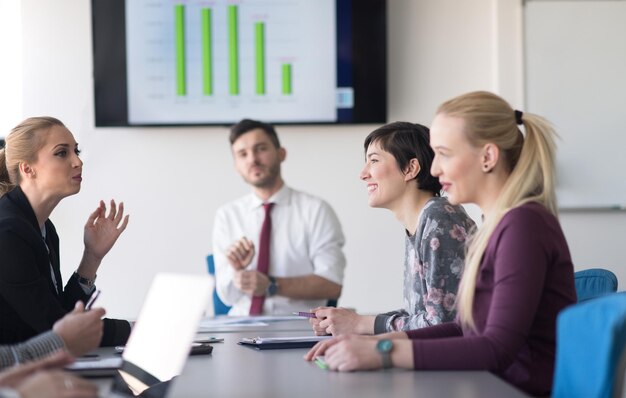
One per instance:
(277, 343)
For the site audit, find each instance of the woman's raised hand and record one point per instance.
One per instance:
(101, 233)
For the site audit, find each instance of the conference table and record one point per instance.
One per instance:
(233, 370)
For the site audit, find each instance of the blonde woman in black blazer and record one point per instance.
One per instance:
(40, 166)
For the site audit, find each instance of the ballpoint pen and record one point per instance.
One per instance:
(92, 300)
(305, 314)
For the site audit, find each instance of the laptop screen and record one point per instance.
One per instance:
(160, 340)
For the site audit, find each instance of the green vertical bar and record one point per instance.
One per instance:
(259, 41)
(179, 11)
(286, 78)
(207, 56)
(233, 56)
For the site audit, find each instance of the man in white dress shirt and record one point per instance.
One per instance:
(306, 261)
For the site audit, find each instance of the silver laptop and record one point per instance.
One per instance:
(161, 339)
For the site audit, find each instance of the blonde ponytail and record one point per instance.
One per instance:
(530, 160)
(5, 180)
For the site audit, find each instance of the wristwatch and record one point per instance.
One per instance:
(272, 288)
(85, 281)
(384, 347)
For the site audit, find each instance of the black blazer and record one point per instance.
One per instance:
(29, 302)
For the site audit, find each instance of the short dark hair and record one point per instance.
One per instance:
(246, 125)
(406, 141)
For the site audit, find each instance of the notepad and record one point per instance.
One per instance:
(269, 343)
(98, 367)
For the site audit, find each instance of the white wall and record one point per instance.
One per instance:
(11, 56)
(172, 180)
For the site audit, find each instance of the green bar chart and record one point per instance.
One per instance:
(259, 56)
(286, 74)
(207, 55)
(233, 44)
(233, 50)
(179, 22)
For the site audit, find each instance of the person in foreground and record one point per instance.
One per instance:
(518, 273)
(78, 332)
(276, 250)
(39, 166)
(397, 173)
(45, 379)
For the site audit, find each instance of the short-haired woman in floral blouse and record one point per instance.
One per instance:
(398, 158)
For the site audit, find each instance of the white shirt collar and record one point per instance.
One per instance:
(280, 198)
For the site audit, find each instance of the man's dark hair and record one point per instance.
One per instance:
(406, 141)
(246, 125)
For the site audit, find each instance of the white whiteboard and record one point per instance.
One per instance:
(575, 62)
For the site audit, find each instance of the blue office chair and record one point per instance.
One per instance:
(590, 355)
(594, 282)
(219, 307)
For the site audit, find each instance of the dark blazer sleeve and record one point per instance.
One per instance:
(29, 304)
(25, 283)
(116, 331)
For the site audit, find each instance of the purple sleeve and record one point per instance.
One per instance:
(449, 329)
(518, 258)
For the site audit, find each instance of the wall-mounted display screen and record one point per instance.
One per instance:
(204, 62)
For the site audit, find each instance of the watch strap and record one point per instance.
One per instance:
(386, 359)
(384, 347)
(272, 288)
(85, 281)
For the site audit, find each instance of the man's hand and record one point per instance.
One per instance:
(252, 283)
(240, 253)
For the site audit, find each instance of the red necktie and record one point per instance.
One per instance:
(263, 261)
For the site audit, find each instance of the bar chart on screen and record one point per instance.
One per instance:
(199, 61)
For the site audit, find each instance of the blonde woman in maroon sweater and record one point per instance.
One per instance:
(518, 273)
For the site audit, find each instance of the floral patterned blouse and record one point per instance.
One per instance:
(433, 263)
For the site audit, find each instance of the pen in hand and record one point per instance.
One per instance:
(305, 314)
(92, 300)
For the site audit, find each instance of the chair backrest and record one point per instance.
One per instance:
(219, 308)
(594, 282)
(590, 358)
